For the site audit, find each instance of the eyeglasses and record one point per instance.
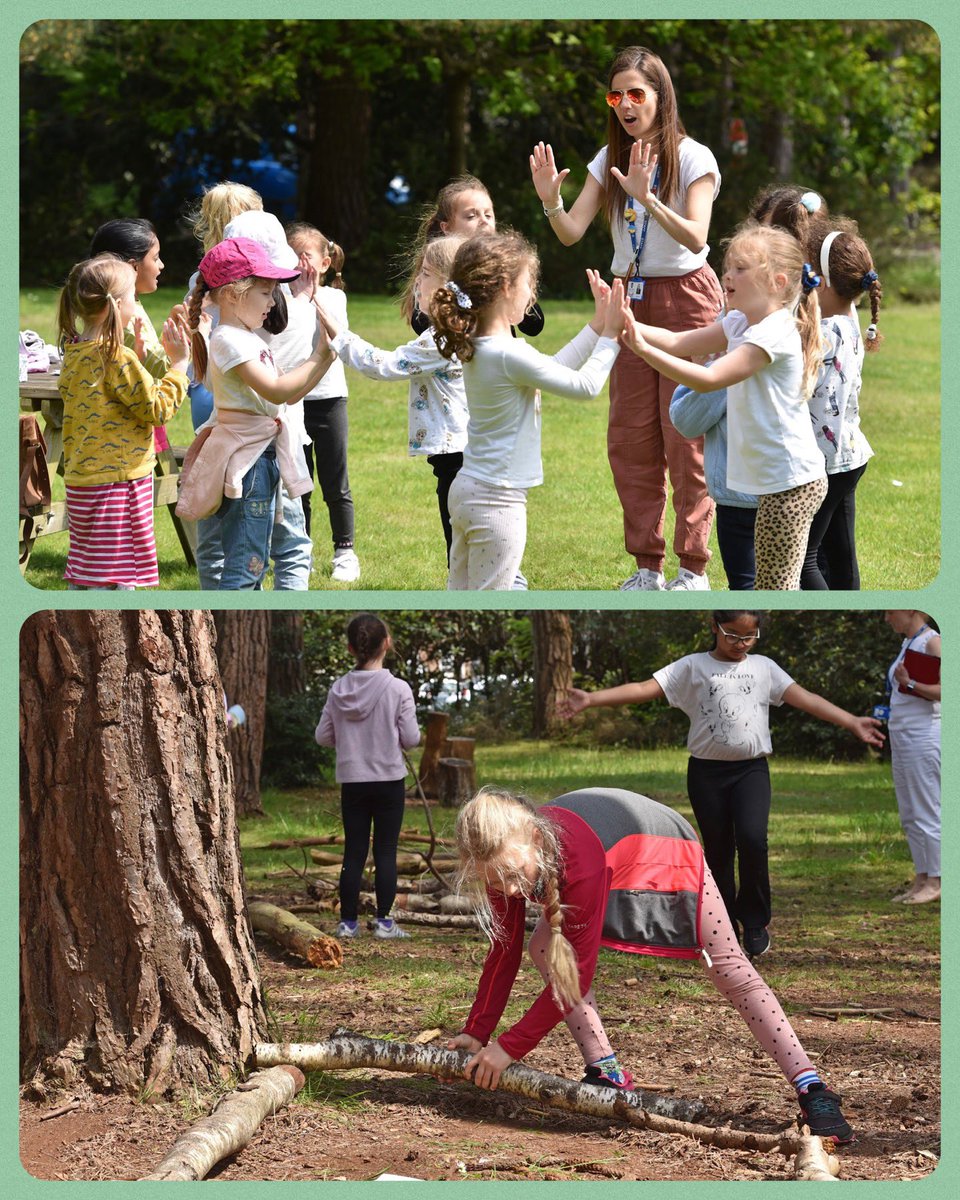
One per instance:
(735, 639)
(634, 95)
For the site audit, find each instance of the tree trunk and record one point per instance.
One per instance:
(287, 673)
(552, 667)
(432, 749)
(456, 781)
(243, 651)
(337, 167)
(137, 966)
(458, 124)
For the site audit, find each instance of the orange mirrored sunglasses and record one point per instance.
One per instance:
(634, 95)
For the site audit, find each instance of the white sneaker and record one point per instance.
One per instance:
(388, 928)
(520, 583)
(346, 567)
(347, 929)
(643, 580)
(688, 581)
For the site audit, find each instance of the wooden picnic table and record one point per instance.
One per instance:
(39, 393)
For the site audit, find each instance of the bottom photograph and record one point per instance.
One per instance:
(480, 895)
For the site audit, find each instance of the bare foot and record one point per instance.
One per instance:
(929, 891)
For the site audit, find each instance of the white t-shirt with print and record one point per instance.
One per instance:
(229, 347)
(835, 403)
(770, 442)
(728, 703)
(662, 254)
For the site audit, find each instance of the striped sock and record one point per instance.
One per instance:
(803, 1081)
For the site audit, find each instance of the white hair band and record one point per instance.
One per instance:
(825, 255)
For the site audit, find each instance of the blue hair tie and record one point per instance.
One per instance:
(811, 202)
(809, 279)
(867, 280)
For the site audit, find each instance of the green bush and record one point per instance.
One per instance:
(291, 756)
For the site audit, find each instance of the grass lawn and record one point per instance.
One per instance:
(574, 522)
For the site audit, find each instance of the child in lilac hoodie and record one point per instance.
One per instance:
(370, 719)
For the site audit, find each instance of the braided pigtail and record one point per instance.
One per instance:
(873, 337)
(561, 957)
(198, 343)
(847, 267)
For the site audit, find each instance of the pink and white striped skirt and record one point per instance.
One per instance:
(111, 535)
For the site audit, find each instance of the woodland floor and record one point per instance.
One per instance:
(687, 1042)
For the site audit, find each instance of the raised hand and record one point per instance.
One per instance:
(546, 179)
(308, 279)
(327, 323)
(641, 169)
(175, 338)
(617, 310)
(632, 335)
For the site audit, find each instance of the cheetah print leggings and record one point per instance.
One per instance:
(731, 973)
(781, 532)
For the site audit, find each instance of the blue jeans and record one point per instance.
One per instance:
(246, 526)
(291, 549)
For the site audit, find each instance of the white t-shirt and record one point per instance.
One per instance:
(911, 716)
(771, 445)
(229, 347)
(662, 255)
(835, 403)
(334, 382)
(728, 703)
(503, 382)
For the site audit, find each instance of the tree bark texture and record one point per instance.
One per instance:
(456, 781)
(243, 651)
(337, 161)
(138, 969)
(230, 1126)
(552, 667)
(286, 674)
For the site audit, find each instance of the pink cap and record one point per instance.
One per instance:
(236, 258)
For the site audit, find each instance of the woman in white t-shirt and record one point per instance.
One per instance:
(771, 333)
(656, 187)
(727, 692)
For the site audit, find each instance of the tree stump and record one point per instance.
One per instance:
(433, 746)
(456, 781)
(459, 747)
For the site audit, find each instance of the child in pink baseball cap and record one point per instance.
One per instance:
(235, 466)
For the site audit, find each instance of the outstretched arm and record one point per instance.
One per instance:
(866, 729)
(576, 700)
(732, 368)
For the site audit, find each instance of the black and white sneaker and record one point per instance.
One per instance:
(756, 942)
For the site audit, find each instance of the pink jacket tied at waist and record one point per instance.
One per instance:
(221, 455)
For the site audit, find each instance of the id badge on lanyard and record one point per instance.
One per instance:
(636, 282)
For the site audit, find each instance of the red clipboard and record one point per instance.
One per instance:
(921, 667)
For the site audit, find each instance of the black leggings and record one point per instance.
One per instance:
(445, 467)
(327, 427)
(731, 801)
(831, 558)
(361, 805)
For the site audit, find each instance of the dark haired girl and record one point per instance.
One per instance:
(727, 692)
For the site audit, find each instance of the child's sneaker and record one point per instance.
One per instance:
(346, 567)
(348, 929)
(688, 581)
(388, 928)
(595, 1076)
(756, 942)
(821, 1112)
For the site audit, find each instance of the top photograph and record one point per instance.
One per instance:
(558, 305)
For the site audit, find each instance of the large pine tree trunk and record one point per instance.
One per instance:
(138, 970)
(287, 674)
(337, 159)
(552, 666)
(243, 651)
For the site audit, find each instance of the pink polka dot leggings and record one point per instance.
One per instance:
(731, 973)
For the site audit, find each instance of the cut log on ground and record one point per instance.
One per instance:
(297, 937)
(230, 1126)
(661, 1114)
(407, 864)
(403, 902)
(456, 781)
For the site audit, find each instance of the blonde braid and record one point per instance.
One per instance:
(561, 957)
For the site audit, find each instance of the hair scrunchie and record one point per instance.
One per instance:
(461, 297)
(811, 202)
(871, 332)
(867, 280)
(810, 280)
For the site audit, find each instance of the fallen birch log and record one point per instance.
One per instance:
(297, 937)
(230, 1126)
(660, 1114)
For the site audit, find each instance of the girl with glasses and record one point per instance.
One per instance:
(727, 692)
(656, 187)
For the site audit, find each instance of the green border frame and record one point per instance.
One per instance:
(18, 599)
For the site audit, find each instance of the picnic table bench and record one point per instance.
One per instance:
(39, 394)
